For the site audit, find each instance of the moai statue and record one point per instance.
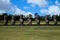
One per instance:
(30, 19)
(37, 19)
(5, 19)
(21, 19)
(55, 19)
(13, 20)
(47, 19)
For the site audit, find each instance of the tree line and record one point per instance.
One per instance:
(42, 18)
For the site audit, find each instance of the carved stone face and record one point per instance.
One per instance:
(21, 19)
(21, 16)
(55, 19)
(29, 16)
(30, 19)
(13, 20)
(5, 20)
(55, 16)
(37, 19)
(47, 19)
(12, 17)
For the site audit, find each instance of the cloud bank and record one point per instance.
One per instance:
(7, 6)
(40, 3)
(52, 10)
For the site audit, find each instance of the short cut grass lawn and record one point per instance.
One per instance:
(29, 32)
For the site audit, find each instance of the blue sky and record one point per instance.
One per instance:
(25, 7)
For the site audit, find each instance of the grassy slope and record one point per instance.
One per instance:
(30, 33)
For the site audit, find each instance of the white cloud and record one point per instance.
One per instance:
(44, 11)
(5, 1)
(57, 3)
(1, 12)
(52, 10)
(26, 7)
(19, 11)
(40, 3)
(6, 5)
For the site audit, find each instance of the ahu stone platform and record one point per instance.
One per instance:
(31, 25)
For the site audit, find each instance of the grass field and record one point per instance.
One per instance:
(26, 22)
(29, 33)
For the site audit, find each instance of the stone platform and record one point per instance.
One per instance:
(31, 25)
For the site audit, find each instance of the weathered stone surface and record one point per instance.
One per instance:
(5, 20)
(55, 19)
(13, 20)
(30, 19)
(21, 19)
(47, 19)
(37, 19)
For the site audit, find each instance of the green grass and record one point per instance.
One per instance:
(26, 22)
(29, 33)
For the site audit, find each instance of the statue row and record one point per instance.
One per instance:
(37, 19)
